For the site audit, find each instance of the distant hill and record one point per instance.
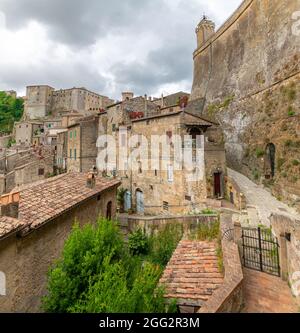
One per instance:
(11, 110)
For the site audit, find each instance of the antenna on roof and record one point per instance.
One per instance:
(204, 16)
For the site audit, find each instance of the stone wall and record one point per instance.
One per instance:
(229, 297)
(152, 224)
(34, 171)
(43, 101)
(26, 260)
(4, 140)
(248, 73)
(74, 148)
(89, 136)
(234, 194)
(287, 230)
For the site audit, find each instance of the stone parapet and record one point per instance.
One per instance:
(229, 297)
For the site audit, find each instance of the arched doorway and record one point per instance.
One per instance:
(270, 158)
(109, 211)
(140, 202)
(127, 201)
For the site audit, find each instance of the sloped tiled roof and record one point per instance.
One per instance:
(53, 197)
(9, 225)
(45, 200)
(193, 274)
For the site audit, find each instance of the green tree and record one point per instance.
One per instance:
(11, 110)
(98, 274)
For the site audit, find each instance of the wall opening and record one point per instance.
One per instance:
(140, 202)
(109, 211)
(217, 184)
(270, 158)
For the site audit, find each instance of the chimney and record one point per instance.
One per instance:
(162, 101)
(146, 104)
(91, 180)
(10, 205)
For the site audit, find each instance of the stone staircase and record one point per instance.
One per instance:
(267, 294)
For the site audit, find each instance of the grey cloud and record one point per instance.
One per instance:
(78, 75)
(79, 22)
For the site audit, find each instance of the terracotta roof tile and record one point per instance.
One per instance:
(192, 274)
(44, 200)
(9, 225)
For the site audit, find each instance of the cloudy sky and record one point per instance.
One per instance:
(107, 46)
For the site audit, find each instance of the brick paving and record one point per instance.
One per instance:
(267, 294)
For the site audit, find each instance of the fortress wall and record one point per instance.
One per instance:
(249, 73)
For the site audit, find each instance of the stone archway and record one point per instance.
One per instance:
(270, 160)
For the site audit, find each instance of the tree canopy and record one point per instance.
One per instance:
(11, 110)
(100, 273)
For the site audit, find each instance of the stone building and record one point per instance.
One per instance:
(25, 166)
(246, 77)
(81, 144)
(170, 100)
(45, 101)
(34, 226)
(11, 93)
(167, 189)
(28, 132)
(62, 151)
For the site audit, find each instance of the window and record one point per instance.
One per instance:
(155, 172)
(188, 198)
(70, 153)
(75, 134)
(75, 154)
(165, 205)
(114, 127)
(170, 173)
(41, 172)
(71, 135)
(169, 137)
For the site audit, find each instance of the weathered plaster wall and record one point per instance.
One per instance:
(26, 260)
(249, 74)
(289, 249)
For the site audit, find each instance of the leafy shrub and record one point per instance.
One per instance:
(256, 174)
(138, 243)
(295, 163)
(97, 274)
(208, 211)
(291, 112)
(280, 163)
(163, 244)
(207, 231)
(259, 153)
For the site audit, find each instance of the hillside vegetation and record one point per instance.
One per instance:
(11, 110)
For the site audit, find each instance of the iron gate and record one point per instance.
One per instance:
(261, 251)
